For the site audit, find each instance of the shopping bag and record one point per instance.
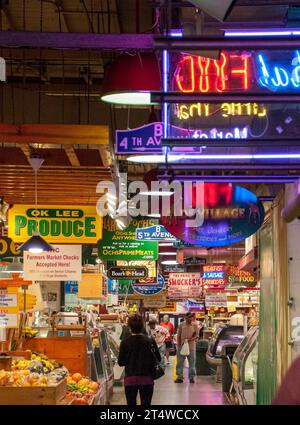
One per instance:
(185, 349)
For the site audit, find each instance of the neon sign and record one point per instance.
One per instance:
(184, 112)
(276, 75)
(234, 133)
(213, 276)
(198, 74)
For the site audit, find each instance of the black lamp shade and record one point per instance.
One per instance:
(36, 242)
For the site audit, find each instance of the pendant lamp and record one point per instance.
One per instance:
(36, 244)
(130, 79)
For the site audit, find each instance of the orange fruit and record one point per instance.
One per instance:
(77, 377)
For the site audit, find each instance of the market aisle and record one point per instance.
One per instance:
(204, 392)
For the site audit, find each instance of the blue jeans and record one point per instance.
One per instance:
(162, 352)
(180, 364)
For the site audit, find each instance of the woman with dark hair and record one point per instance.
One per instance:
(137, 354)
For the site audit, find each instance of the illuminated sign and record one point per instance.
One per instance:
(231, 214)
(275, 75)
(197, 74)
(213, 276)
(184, 112)
(234, 133)
(237, 277)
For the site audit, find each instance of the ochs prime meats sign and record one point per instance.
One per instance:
(57, 224)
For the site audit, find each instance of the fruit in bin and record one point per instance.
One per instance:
(84, 381)
(77, 377)
(93, 386)
(80, 400)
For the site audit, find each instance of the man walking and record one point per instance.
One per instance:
(188, 330)
(168, 341)
(159, 334)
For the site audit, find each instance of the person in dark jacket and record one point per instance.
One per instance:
(137, 355)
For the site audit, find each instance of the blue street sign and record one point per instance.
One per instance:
(154, 233)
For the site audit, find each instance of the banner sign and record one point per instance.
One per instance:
(9, 307)
(231, 214)
(184, 285)
(8, 248)
(127, 272)
(61, 264)
(147, 290)
(121, 244)
(64, 224)
(213, 276)
(212, 301)
(154, 233)
(112, 286)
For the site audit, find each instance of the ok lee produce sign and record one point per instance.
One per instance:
(63, 224)
(184, 285)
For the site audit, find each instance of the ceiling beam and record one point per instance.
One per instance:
(105, 156)
(74, 40)
(56, 134)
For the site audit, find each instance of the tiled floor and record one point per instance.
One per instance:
(204, 392)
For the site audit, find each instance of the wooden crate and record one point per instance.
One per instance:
(33, 395)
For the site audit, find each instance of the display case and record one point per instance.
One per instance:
(223, 335)
(244, 367)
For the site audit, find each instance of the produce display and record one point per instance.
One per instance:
(29, 332)
(82, 388)
(39, 363)
(23, 378)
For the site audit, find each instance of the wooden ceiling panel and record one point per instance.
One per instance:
(89, 157)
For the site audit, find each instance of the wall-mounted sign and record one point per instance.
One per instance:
(195, 306)
(154, 233)
(237, 277)
(212, 301)
(61, 264)
(127, 272)
(155, 303)
(8, 248)
(148, 290)
(64, 224)
(213, 276)
(184, 286)
(71, 287)
(9, 307)
(231, 214)
(194, 261)
(121, 244)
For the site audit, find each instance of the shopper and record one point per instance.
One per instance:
(188, 330)
(168, 341)
(288, 392)
(159, 334)
(126, 332)
(137, 353)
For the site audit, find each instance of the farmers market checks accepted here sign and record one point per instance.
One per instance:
(63, 224)
(184, 285)
(121, 244)
(61, 264)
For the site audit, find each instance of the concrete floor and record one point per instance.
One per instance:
(205, 391)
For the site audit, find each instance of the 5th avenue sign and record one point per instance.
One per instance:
(127, 272)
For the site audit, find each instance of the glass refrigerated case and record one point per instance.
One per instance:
(244, 367)
(223, 336)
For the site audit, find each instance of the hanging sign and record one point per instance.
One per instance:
(155, 303)
(184, 285)
(127, 272)
(213, 276)
(8, 248)
(237, 277)
(194, 261)
(9, 307)
(154, 233)
(64, 224)
(112, 286)
(92, 285)
(71, 287)
(195, 306)
(61, 264)
(231, 214)
(122, 245)
(147, 290)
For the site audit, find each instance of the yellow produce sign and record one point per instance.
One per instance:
(57, 224)
(9, 307)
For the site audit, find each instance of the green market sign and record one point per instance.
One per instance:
(119, 244)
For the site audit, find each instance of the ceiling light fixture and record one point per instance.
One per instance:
(130, 79)
(36, 244)
(169, 262)
(167, 253)
(263, 33)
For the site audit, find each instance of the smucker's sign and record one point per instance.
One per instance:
(57, 224)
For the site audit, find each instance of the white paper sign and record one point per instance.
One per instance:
(184, 285)
(8, 320)
(61, 264)
(8, 300)
(216, 301)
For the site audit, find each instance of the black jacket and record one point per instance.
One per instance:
(137, 356)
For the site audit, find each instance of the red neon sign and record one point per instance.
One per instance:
(199, 74)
